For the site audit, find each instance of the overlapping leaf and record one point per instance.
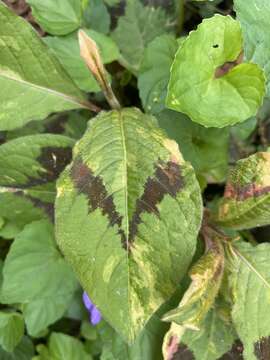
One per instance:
(33, 84)
(250, 282)
(24, 351)
(127, 216)
(29, 167)
(11, 330)
(208, 80)
(246, 201)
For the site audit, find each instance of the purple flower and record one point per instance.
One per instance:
(95, 315)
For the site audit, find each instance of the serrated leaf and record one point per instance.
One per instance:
(138, 27)
(206, 276)
(213, 340)
(57, 17)
(246, 200)
(206, 149)
(256, 32)
(127, 215)
(31, 78)
(36, 275)
(24, 351)
(250, 281)
(11, 330)
(208, 80)
(67, 50)
(62, 347)
(154, 73)
(29, 167)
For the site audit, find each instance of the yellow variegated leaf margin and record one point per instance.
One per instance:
(127, 216)
(246, 202)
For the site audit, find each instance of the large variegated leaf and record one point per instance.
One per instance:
(32, 82)
(29, 167)
(246, 203)
(127, 215)
(208, 80)
(250, 283)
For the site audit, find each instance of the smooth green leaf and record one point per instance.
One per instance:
(97, 17)
(57, 17)
(155, 72)
(206, 276)
(138, 27)
(36, 275)
(33, 83)
(206, 149)
(66, 48)
(128, 211)
(29, 167)
(213, 340)
(62, 347)
(24, 351)
(11, 330)
(255, 26)
(250, 281)
(246, 201)
(208, 80)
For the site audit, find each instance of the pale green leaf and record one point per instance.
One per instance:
(208, 80)
(250, 281)
(128, 211)
(31, 78)
(138, 27)
(24, 351)
(213, 340)
(57, 17)
(29, 167)
(62, 347)
(206, 276)
(246, 201)
(66, 48)
(11, 330)
(154, 73)
(36, 275)
(206, 149)
(254, 20)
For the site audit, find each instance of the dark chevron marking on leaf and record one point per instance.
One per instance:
(236, 352)
(182, 353)
(167, 180)
(228, 66)
(262, 348)
(92, 186)
(47, 207)
(241, 193)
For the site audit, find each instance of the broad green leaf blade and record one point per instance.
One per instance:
(246, 201)
(11, 330)
(256, 33)
(208, 80)
(36, 275)
(33, 83)
(24, 351)
(206, 149)
(128, 211)
(57, 17)
(155, 72)
(29, 167)
(209, 343)
(66, 48)
(250, 281)
(96, 16)
(62, 347)
(138, 27)
(206, 276)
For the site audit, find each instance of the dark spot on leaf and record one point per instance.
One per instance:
(182, 353)
(167, 180)
(92, 186)
(262, 348)
(215, 46)
(236, 352)
(47, 207)
(241, 193)
(228, 66)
